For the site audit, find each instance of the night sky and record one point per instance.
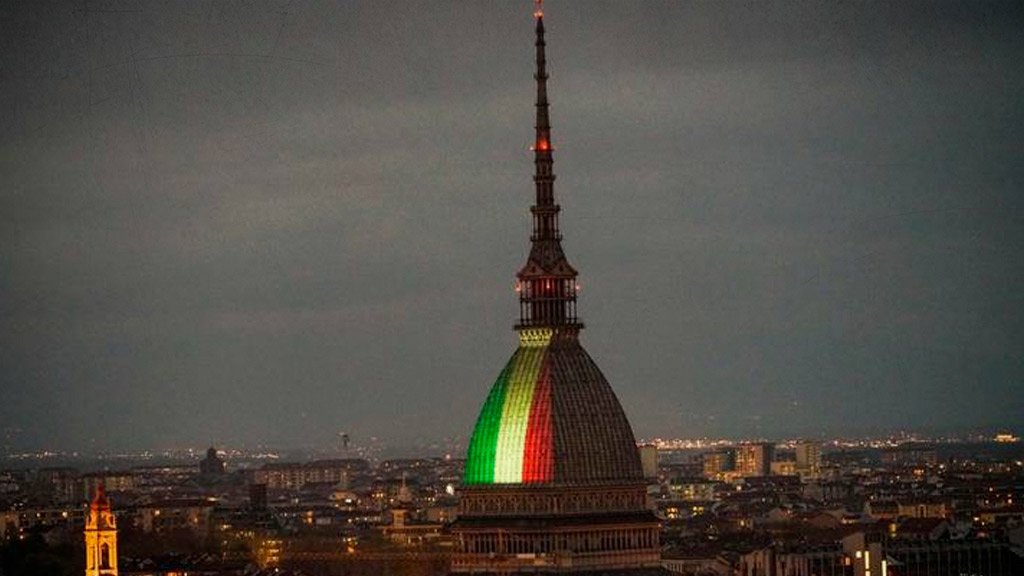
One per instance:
(238, 222)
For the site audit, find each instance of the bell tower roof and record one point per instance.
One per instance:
(100, 500)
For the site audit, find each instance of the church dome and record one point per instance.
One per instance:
(552, 418)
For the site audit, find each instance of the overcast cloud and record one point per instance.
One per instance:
(240, 222)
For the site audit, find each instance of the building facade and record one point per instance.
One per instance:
(649, 461)
(808, 459)
(112, 482)
(720, 464)
(755, 459)
(873, 554)
(295, 475)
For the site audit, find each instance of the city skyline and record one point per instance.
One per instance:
(276, 222)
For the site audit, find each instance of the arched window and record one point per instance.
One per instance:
(104, 556)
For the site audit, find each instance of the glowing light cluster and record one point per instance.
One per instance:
(513, 439)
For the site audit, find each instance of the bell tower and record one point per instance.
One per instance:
(100, 537)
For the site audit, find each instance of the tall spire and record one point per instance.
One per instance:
(546, 226)
(547, 283)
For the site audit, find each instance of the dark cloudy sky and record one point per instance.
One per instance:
(243, 221)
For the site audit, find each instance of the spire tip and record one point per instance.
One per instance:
(538, 9)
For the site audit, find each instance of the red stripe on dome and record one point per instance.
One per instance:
(539, 448)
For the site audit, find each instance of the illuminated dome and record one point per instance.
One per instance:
(552, 418)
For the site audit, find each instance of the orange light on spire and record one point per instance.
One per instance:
(538, 8)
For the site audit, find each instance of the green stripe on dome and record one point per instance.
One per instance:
(497, 449)
(515, 418)
(484, 443)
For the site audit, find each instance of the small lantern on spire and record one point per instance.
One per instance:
(538, 8)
